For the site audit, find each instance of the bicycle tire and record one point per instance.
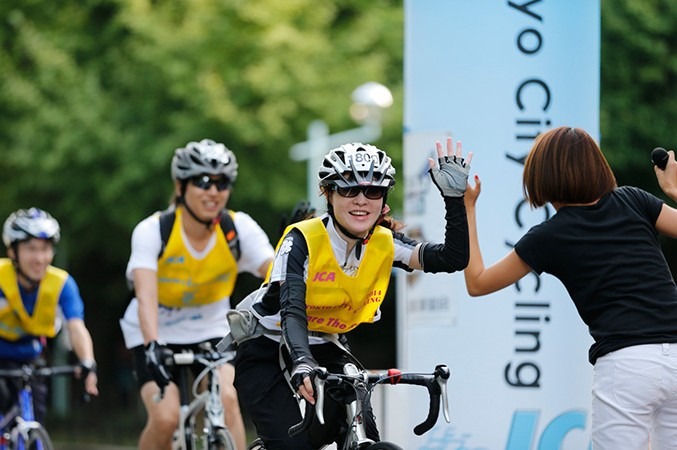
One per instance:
(257, 444)
(37, 434)
(221, 439)
(384, 446)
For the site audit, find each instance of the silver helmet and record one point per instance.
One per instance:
(356, 165)
(32, 223)
(204, 157)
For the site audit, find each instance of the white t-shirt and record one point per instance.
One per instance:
(198, 323)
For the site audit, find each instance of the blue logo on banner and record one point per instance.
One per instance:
(524, 424)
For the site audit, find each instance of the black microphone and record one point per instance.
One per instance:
(659, 157)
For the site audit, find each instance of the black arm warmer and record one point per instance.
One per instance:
(453, 255)
(293, 300)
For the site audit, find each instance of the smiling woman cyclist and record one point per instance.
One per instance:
(183, 266)
(329, 275)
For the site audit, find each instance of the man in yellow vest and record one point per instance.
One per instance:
(183, 266)
(35, 296)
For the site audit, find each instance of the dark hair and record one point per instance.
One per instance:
(566, 165)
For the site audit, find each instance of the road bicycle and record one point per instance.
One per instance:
(362, 383)
(200, 405)
(18, 428)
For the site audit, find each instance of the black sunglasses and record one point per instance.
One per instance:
(371, 192)
(205, 182)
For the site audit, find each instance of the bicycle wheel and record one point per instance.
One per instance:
(384, 446)
(220, 439)
(37, 438)
(257, 445)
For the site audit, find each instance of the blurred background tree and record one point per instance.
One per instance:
(638, 85)
(96, 95)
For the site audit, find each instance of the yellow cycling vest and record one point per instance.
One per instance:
(186, 281)
(14, 319)
(337, 302)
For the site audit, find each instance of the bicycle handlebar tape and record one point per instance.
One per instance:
(431, 420)
(302, 426)
(659, 156)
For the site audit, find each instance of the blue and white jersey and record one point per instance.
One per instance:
(71, 306)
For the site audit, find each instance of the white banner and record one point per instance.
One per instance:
(493, 74)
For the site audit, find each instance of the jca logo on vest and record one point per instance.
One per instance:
(324, 276)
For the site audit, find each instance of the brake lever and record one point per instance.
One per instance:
(442, 376)
(320, 380)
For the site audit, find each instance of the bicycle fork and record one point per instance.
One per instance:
(19, 436)
(214, 409)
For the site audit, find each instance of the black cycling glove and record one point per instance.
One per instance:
(451, 178)
(87, 367)
(157, 358)
(302, 368)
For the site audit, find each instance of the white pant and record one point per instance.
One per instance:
(634, 399)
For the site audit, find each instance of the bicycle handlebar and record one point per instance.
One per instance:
(186, 357)
(189, 357)
(435, 383)
(28, 371)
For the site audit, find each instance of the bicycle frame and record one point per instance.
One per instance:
(15, 425)
(186, 437)
(18, 427)
(356, 436)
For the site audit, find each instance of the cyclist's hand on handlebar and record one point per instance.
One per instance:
(157, 356)
(300, 378)
(89, 377)
(306, 391)
(91, 382)
(451, 178)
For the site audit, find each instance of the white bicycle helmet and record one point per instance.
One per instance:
(356, 164)
(204, 157)
(32, 223)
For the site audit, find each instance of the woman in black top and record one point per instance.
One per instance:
(602, 244)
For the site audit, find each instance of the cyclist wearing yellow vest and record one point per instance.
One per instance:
(35, 297)
(182, 286)
(329, 275)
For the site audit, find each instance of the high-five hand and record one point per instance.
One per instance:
(451, 178)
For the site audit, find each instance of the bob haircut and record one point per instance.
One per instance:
(566, 165)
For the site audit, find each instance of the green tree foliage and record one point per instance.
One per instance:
(639, 85)
(97, 94)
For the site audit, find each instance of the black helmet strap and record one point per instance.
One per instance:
(182, 200)
(360, 240)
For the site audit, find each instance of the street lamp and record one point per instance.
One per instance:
(369, 101)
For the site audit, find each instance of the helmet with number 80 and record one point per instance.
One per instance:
(356, 165)
(32, 223)
(204, 157)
